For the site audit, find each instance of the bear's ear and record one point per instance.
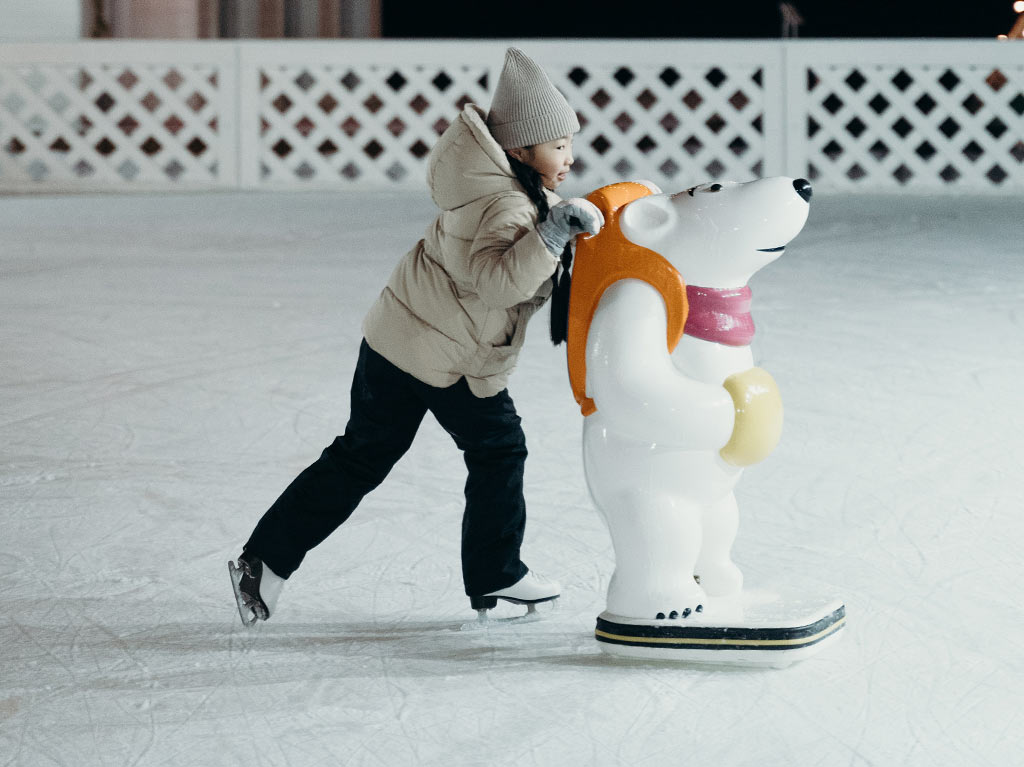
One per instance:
(648, 218)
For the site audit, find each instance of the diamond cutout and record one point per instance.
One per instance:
(855, 80)
(600, 145)
(196, 146)
(327, 104)
(739, 100)
(623, 167)
(578, 76)
(623, 122)
(282, 103)
(396, 127)
(669, 122)
(173, 79)
(623, 76)
(646, 144)
(693, 99)
(600, 99)
(879, 151)
(105, 101)
(174, 124)
(127, 79)
(693, 145)
(949, 80)
(351, 127)
(715, 123)
(856, 127)
(833, 103)
(327, 148)
(926, 151)
(949, 174)
(128, 125)
(151, 146)
(282, 148)
(373, 150)
(949, 127)
(351, 81)
(996, 174)
(926, 104)
(669, 76)
(396, 82)
(646, 99)
(716, 77)
(996, 80)
(196, 101)
(419, 150)
(973, 151)
(973, 104)
(442, 82)
(106, 147)
(903, 174)
(419, 104)
(305, 81)
(305, 127)
(902, 80)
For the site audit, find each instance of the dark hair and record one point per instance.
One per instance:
(561, 280)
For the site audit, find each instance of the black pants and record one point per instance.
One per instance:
(388, 406)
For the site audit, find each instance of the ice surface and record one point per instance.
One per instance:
(170, 362)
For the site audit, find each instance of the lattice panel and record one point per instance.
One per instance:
(366, 125)
(671, 124)
(926, 127)
(103, 125)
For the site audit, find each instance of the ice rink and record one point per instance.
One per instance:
(170, 362)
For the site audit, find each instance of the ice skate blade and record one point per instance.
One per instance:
(770, 633)
(484, 622)
(248, 609)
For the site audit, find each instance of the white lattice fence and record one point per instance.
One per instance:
(929, 117)
(115, 116)
(650, 112)
(354, 117)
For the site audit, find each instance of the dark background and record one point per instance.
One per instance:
(687, 19)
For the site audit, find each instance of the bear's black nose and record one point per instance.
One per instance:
(803, 188)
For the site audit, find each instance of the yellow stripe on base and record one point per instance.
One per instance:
(725, 642)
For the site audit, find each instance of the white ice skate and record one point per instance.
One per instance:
(530, 590)
(256, 588)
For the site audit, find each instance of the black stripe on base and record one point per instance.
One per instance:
(720, 637)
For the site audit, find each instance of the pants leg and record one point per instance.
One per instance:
(385, 414)
(488, 432)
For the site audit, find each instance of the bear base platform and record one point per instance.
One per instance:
(755, 628)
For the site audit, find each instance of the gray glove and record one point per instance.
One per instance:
(567, 219)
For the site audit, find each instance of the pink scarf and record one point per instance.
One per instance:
(720, 316)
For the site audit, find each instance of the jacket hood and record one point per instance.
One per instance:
(467, 163)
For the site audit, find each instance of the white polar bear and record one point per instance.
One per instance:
(669, 429)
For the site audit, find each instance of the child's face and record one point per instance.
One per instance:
(551, 159)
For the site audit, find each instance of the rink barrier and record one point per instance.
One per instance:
(925, 116)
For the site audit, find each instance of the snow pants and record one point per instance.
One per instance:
(387, 408)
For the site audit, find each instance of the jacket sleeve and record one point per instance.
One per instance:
(508, 261)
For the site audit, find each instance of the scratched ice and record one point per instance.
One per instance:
(169, 362)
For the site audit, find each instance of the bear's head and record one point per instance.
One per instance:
(719, 234)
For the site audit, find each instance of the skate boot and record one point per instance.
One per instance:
(530, 590)
(256, 587)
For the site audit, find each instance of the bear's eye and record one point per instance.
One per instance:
(691, 190)
(715, 188)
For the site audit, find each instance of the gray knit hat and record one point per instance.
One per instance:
(527, 109)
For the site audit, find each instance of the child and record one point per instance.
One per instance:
(443, 337)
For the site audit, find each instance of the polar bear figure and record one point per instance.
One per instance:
(676, 406)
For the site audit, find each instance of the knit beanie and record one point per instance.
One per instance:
(527, 109)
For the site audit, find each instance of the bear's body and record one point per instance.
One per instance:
(670, 429)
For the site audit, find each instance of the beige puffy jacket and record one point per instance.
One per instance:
(457, 304)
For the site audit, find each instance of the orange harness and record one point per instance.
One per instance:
(600, 262)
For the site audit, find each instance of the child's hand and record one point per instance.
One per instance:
(567, 219)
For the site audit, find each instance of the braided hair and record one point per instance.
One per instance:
(561, 280)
